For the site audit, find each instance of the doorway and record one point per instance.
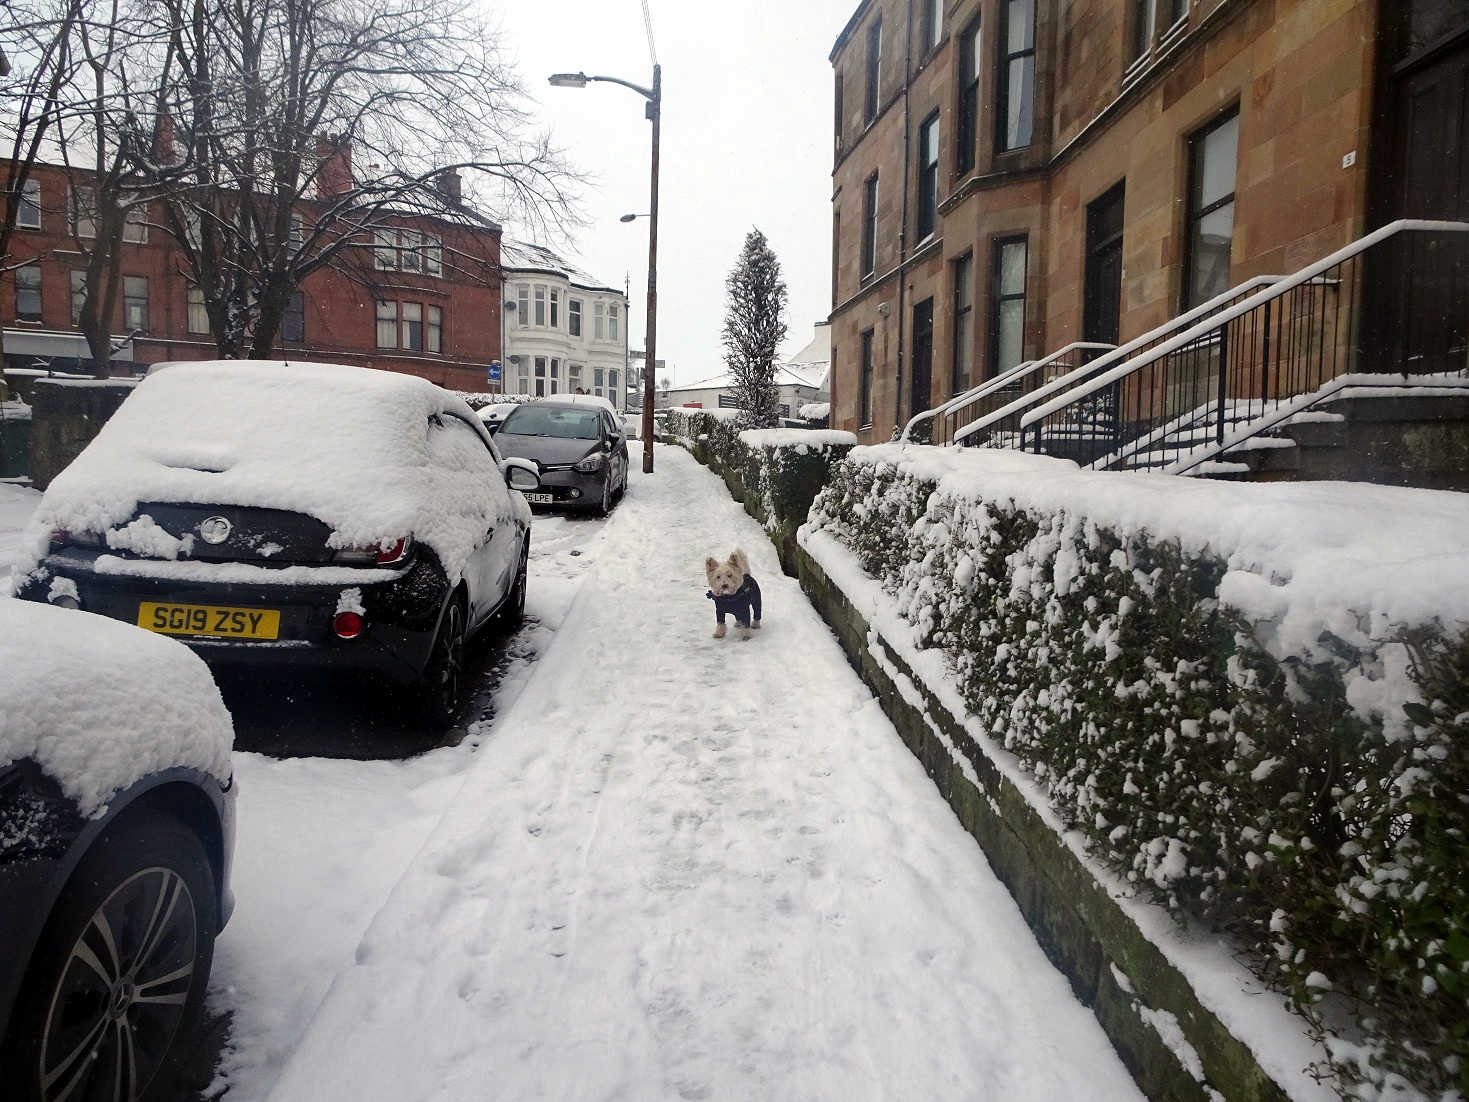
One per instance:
(922, 391)
(1102, 291)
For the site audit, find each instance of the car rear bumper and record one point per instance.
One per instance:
(401, 612)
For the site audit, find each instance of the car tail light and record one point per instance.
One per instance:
(388, 552)
(386, 555)
(348, 625)
(61, 537)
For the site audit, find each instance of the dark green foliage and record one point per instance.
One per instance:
(754, 326)
(1235, 786)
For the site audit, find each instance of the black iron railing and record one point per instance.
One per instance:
(1395, 301)
(1000, 427)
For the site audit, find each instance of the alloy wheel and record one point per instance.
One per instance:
(447, 665)
(120, 996)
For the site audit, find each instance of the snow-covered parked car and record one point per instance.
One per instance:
(577, 445)
(277, 514)
(116, 830)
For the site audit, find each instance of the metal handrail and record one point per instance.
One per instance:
(1017, 375)
(1188, 336)
(1101, 363)
(972, 394)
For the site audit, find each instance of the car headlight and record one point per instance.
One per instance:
(591, 464)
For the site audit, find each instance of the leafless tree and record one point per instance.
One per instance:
(36, 43)
(305, 128)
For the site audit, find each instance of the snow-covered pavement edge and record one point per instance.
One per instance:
(699, 869)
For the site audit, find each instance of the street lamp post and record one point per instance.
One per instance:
(653, 110)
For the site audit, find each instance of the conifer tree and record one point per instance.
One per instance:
(754, 326)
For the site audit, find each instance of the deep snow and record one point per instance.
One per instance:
(676, 867)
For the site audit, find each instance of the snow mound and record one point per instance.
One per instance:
(348, 445)
(99, 704)
(814, 411)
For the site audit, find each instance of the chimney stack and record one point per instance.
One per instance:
(334, 167)
(450, 187)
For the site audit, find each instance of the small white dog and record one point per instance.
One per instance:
(734, 593)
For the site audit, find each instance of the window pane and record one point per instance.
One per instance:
(135, 302)
(28, 293)
(413, 326)
(612, 381)
(1012, 268)
(597, 377)
(1012, 332)
(612, 330)
(540, 306)
(29, 215)
(1019, 107)
(387, 325)
(435, 329)
(555, 309)
(1218, 153)
(433, 257)
(198, 320)
(1210, 255)
(79, 293)
(573, 316)
(135, 223)
(293, 324)
(523, 299)
(1020, 26)
(83, 212)
(412, 242)
(384, 254)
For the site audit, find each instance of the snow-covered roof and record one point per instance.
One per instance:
(520, 256)
(348, 445)
(99, 704)
(784, 376)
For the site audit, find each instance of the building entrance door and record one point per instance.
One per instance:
(1102, 294)
(922, 357)
(1423, 172)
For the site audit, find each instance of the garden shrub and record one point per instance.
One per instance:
(1236, 785)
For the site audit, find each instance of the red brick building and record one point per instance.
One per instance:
(1011, 176)
(423, 297)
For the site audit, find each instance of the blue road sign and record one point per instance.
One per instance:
(495, 372)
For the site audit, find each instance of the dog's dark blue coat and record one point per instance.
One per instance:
(738, 604)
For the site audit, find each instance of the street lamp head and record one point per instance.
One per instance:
(631, 217)
(569, 80)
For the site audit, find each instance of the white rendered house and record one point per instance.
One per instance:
(563, 329)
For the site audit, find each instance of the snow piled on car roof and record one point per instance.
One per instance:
(99, 704)
(347, 445)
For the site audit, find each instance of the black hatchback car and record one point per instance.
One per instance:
(274, 514)
(578, 446)
(116, 831)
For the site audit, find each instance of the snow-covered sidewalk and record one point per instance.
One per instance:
(688, 868)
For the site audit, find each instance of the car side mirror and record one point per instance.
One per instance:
(522, 474)
(493, 427)
(609, 444)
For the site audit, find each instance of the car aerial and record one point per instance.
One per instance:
(271, 514)
(577, 445)
(116, 832)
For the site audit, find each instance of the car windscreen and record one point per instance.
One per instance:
(553, 421)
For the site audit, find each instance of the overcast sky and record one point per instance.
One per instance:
(746, 141)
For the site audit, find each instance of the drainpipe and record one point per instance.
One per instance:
(903, 225)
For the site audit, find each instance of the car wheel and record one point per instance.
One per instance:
(513, 611)
(605, 505)
(622, 485)
(443, 676)
(121, 968)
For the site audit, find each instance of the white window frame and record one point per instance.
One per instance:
(433, 255)
(599, 321)
(539, 305)
(433, 329)
(385, 250)
(522, 299)
(573, 317)
(387, 312)
(410, 338)
(32, 288)
(410, 250)
(613, 333)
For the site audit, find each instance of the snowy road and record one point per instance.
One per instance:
(674, 867)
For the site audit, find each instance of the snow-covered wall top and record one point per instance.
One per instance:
(99, 704)
(796, 438)
(347, 445)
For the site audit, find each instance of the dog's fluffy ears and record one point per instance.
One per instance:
(737, 559)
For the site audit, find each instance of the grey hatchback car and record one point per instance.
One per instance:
(578, 446)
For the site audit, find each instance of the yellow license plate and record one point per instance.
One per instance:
(226, 623)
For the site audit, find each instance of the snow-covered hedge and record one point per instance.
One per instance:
(775, 472)
(1252, 700)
